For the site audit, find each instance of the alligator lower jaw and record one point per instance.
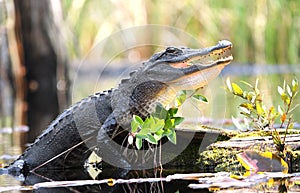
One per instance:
(198, 79)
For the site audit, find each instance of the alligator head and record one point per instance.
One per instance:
(160, 78)
(188, 68)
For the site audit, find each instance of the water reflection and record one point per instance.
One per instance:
(115, 180)
(79, 178)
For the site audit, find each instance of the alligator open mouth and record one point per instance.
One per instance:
(219, 54)
(202, 65)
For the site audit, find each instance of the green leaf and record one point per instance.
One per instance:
(172, 112)
(236, 123)
(237, 89)
(256, 86)
(245, 95)
(147, 125)
(249, 96)
(138, 119)
(259, 109)
(167, 132)
(280, 90)
(246, 83)
(248, 106)
(245, 110)
(145, 129)
(289, 91)
(178, 120)
(228, 84)
(280, 110)
(272, 113)
(169, 123)
(172, 136)
(200, 98)
(141, 135)
(160, 112)
(285, 99)
(288, 101)
(246, 123)
(294, 85)
(157, 125)
(291, 126)
(134, 126)
(151, 139)
(158, 136)
(160, 132)
(292, 109)
(138, 143)
(136, 123)
(180, 98)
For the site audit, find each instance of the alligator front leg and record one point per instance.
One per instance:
(108, 149)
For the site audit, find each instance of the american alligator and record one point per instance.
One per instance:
(90, 124)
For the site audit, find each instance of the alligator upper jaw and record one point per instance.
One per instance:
(207, 57)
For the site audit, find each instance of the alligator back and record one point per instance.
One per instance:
(68, 139)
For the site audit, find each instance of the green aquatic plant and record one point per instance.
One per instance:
(158, 125)
(161, 123)
(258, 116)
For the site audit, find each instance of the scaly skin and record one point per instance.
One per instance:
(71, 137)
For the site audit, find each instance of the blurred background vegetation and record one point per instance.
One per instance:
(262, 31)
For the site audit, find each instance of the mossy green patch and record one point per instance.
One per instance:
(220, 159)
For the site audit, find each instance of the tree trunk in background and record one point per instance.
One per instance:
(7, 86)
(37, 26)
(12, 81)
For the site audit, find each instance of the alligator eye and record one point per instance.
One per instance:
(173, 50)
